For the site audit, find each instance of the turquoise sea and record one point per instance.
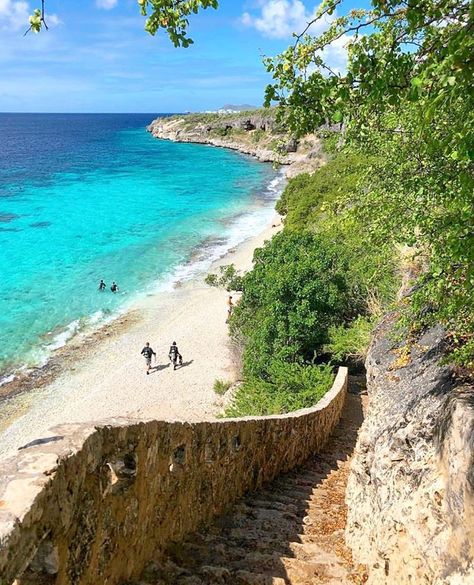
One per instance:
(85, 197)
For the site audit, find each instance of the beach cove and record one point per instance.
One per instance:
(85, 197)
(109, 380)
(98, 372)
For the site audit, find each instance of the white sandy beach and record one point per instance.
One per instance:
(111, 381)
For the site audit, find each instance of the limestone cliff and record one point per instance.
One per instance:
(411, 488)
(255, 133)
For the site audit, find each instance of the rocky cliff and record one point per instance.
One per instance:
(411, 488)
(255, 133)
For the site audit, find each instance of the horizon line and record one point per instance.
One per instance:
(92, 113)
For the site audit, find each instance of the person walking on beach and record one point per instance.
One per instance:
(230, 308)
(114, 288)
(175, 356)
(102, 285)
(148, 353)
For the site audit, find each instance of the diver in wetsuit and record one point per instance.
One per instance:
(148, 352)
(175, 356)
(102, 285)
(114, 288)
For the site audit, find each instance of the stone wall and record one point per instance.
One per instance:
(93, 504)
(411, 488)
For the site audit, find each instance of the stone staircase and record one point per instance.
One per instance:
(290, 532)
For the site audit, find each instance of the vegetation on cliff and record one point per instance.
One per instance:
(400, 178)
(311, 299)
(406, 103)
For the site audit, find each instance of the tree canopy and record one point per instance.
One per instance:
(406, 100)
(169, 15)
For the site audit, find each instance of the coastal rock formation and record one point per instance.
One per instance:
(94, 504)
(254, 133)
(411, 489)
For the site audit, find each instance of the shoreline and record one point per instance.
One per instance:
(298, 156)
(75, 385)
(201, 258)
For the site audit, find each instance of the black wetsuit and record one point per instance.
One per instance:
(148, 352)
(114, 288)
(102, 285)
(175, 355)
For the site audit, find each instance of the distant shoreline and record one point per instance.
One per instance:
(253, 133)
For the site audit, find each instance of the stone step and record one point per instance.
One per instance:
(325, 569)
(284, 498)
(248, 578)
(268, 504)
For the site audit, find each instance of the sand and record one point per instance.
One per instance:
(109, 379)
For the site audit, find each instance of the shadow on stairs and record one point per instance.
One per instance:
(291, 532)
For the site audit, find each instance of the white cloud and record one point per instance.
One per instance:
(279, 19)
(335, 55)
(52, 20)
(14, 14)
(106, 4)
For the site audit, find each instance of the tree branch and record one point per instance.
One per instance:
(42, 20)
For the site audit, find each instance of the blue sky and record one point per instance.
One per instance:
(96, 56)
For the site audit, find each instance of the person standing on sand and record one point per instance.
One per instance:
(175, 356)
(148, 353)
(114, 288)
(230, 308)
(102, 285)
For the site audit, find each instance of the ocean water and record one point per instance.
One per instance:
(85, 197)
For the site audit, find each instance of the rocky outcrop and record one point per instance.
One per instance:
(94, 504)
(411, 488)
(253, 133)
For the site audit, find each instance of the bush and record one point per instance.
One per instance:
(350, 342)
(292, 386)
(221, 132)
(306, 198)
(228, 278)
(221, 386)
(257, 135)
(323, 203)
(295, 291)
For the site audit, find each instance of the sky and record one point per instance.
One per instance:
(96, 57)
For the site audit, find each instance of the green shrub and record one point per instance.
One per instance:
(292, 386)
(349, 342)
(228, 278)
(221, 386)
(257, 135)
(296, 290)
(322, 203)
(221, 132)
(306, 198)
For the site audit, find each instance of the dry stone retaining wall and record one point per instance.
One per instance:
(93, 504)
